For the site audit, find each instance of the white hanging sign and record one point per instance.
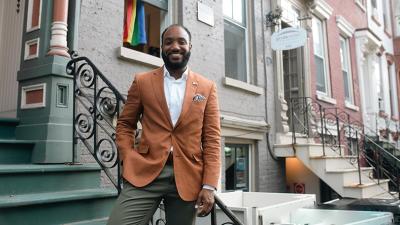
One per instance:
(288, 38)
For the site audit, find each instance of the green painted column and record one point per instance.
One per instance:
(45, 90)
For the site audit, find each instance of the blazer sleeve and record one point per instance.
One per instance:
(127, 121)
(211, 140)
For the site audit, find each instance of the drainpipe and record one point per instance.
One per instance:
(271, 152)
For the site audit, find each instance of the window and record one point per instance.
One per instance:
(143, 23)
(396, 13)
(318, 30)
(373, 4)
(237, 167)
(346, 69)
(374, 9)
(235, 35)
(393, 91)
(386, 16)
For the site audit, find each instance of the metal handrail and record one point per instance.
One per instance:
(101, 103)
(385, 164)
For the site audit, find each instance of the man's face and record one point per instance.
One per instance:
(176, 48)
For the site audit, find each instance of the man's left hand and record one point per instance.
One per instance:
(205, 202)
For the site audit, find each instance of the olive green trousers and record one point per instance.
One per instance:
(136, 206)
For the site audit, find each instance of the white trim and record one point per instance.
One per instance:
(27, 44)
(246, 13)
(322, 9)
(349, 105)
(251, 157)
(323, 97)
(41, 86)
(29, 17)
(140, 57)
(243, 128)
(345, 28)
(325, 55)
(349, 66)
(242, 85)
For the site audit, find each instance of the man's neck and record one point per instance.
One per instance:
(177, 73)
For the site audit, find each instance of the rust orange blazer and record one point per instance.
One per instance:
(195, 137)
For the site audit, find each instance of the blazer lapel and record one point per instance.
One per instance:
(191, 87)
(158, 89)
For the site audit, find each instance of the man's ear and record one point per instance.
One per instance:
(190, 46)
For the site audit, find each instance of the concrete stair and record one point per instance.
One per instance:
(48, 194)
(337, 170)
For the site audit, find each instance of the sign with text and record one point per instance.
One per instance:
(288, 38)
(205, 14)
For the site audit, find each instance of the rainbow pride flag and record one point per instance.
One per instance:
(134, 24)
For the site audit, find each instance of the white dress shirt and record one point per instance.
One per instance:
(174, 91)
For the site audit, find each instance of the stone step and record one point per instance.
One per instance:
(57, 207)
(351, 176)
(15, 151)
(337, 162)
(7, 127)
(37, 178)
(367, 190)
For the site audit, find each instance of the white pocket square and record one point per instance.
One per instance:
(199, 98)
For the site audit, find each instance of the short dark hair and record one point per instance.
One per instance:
(176, 25)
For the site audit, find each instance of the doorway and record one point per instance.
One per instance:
(294, 82)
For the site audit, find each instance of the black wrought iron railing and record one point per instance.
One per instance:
(337, 130)
(97, 105)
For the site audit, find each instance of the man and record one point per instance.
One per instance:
(178, 157)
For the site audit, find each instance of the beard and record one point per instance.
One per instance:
(174, 65)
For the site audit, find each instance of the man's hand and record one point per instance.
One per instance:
(205, 202)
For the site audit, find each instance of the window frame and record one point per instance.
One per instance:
(386, 16)
(394, 104)
(346, 42)
(246, 18)
(325, 55)
(250, 155)
(145, 58)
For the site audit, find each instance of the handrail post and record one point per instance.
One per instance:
(378, 165)
(227, 211)
(338, 131)
(74, 139)
(292, 121)
(306, 126)
(358, 159)
(213, 216)
(322, 128)
(397, 179)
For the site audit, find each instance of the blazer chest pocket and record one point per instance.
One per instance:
(143, 149)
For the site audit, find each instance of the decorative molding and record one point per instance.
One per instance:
(321, 9)
(243, 85)
(29, 27)
(243, 128)
(140, 57)
(35, 87)
(345, 27)
(58, 41)
(367, 42)
(32, 45)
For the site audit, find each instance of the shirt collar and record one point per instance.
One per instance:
(184, 75)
